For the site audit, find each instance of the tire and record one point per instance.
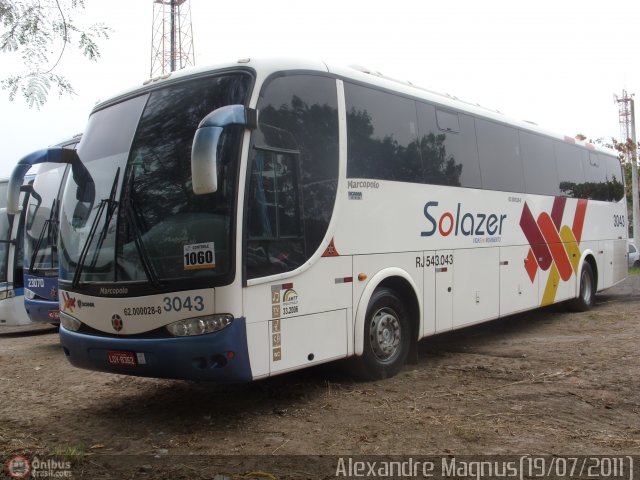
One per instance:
(387, 337)
(587, 292)
(636, 264)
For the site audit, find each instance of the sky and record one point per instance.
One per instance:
(556, 63)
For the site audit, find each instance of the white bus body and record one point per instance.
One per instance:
(339, 214)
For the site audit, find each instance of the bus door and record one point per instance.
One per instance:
(305, 315)
(442, 268)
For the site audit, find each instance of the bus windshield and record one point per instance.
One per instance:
(144, 223)
(42, 221)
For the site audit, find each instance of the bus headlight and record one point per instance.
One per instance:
(199, 325)
(29, 294)
(69, 323)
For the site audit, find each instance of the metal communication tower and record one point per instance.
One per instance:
(172, 36)
(626, 117)
(626, 111)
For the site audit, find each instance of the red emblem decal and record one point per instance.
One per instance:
(69, 302)
(116, 322)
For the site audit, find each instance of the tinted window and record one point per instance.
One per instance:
(448, 121)
(449, 157)
(570, 162)
(275, 208)
(615, 177)
(499, 154)
(293, 173)
(161, 214)
(595, 186)
(120, 121)
(540, 173)
(382, 136)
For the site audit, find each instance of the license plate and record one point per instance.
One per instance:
(122, 358)
(54, 314)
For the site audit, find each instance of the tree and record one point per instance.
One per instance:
(39, 31)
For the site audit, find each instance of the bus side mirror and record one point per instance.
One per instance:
(204, 151)
(81, 175)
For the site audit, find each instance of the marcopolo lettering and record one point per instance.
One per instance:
(461, 222)
(114, 290)
(363, 184)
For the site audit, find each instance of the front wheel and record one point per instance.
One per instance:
(387, 337)
(587, 291)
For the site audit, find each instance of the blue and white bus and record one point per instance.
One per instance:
(41, 239)
(257, 217)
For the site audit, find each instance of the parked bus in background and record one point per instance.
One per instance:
(41, 240)
(12, 312)
(264, 216)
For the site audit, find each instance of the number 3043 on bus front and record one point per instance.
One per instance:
(199, 256)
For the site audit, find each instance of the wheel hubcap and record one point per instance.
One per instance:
(385, 334)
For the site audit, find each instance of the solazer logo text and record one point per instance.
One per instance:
(461, 223)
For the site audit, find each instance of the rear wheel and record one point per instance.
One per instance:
(386, 337)
(587, 291)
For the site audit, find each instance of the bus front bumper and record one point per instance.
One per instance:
(221, 356)
(43, 311)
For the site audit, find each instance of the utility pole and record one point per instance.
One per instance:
(626, 109)
(171, 37)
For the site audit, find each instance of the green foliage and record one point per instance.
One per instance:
(39, 31)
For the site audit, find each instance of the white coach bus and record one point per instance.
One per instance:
(264, 216)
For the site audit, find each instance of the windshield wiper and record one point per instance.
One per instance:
(45, 229)
(50, 227)
(108, 204)
(132, 220)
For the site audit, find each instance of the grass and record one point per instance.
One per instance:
(72, 453)
(634, 271)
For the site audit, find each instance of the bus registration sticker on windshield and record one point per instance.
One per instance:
(199, 256)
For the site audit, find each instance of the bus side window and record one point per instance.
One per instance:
(275, 240)
(383, 136)
(500, 159)
(571, 163)
(615, 177)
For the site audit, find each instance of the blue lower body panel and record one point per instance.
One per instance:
(43, 311)
(221, 356)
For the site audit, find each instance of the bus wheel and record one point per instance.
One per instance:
(386, 337)
(587, 290)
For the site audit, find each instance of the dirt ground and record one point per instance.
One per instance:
(544, 382)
